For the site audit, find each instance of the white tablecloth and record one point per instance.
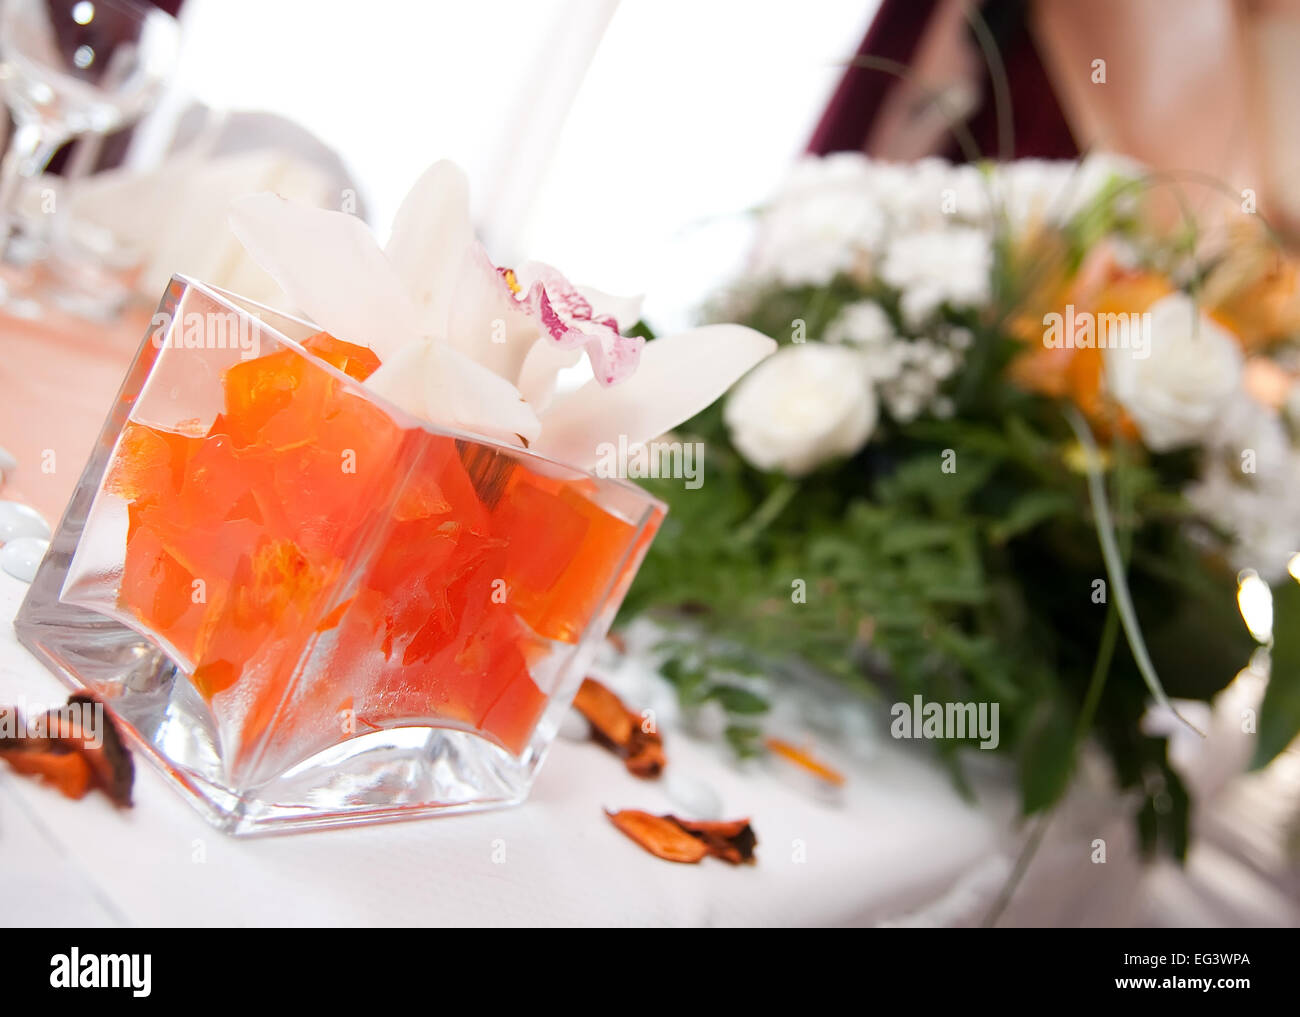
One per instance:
(901, 847)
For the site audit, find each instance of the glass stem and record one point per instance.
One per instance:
(80, 164)
(30, 148)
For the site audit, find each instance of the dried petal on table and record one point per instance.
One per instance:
(645, 754)
(733, 840)
(662, 836)
(111, 760)
(611, 721)
(803, 759)
(67, 755)
(64, 769)
(680, 840)
(620, 730)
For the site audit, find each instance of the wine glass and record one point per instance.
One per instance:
(70, 67)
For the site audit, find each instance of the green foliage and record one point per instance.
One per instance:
(975, 584)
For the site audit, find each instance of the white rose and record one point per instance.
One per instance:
(1179, 391)
(806, 404)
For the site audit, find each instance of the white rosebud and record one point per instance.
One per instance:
(1180, 389)
(806, 404)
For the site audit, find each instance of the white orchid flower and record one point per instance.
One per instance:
(469, 346)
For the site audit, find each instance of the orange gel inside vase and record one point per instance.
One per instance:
(322, 572)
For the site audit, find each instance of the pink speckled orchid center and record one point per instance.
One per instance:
(570, 320)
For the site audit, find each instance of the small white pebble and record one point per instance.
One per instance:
(574, 727)
(7, 461)
(22, 556)
(19, 520)
(696, 799)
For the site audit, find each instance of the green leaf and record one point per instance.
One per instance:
(1279, 713)
(1028, 511)
(744, 739)
(690, 682)
(1046, 758)
(640, 329)
(917, 535)
(734, 699)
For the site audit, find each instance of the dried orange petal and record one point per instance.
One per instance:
(620, 729)
(72, 759)
(660, 835)
(63, 768)
(802, 758)
(683, 840)
(609, 718)
(731, 840)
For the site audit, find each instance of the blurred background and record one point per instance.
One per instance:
(580, 122)
(583, 122)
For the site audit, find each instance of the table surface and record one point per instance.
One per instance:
(58, 378)
(899, 846)
(898, 839)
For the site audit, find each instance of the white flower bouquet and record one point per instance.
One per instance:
(1022, 443)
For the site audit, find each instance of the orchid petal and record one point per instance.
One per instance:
(571, 320)
(432, 234)
(487, 324)
(541, 368)
(569, 300)
(400, 378)
(328, 264)
(433, 382)
(463, 394)
(625, 311)
(678, 376)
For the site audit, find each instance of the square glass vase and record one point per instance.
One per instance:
(308, 608)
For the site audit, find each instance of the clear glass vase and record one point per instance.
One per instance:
(309, 608)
